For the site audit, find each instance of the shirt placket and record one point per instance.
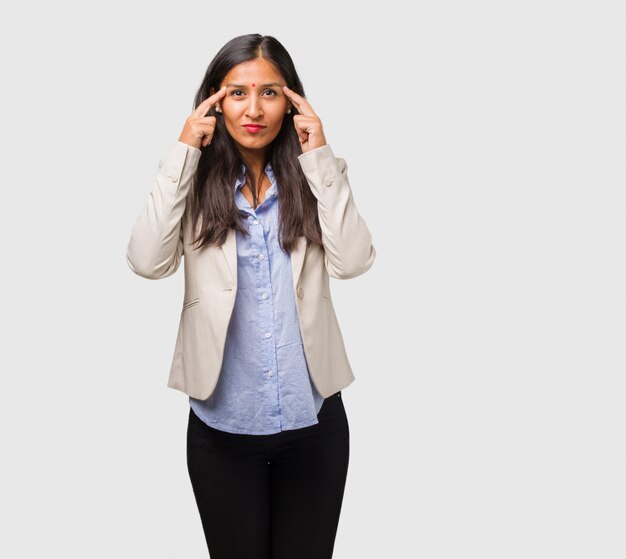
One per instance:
(265, 299)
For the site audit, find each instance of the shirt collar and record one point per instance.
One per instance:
(241, 179)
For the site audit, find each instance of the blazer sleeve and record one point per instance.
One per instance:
(348, 248)
(155, 247)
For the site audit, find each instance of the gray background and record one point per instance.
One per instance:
(485, 144)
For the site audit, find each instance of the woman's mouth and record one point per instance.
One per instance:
(253, 128)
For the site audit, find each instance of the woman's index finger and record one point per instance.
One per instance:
(203, 108)
(303, 106)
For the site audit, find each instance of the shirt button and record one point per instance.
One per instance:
(270, 373)
(261, 256)
(264, 296)
(268, 334)
(256, 221)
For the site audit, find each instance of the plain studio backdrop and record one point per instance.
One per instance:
(486, 151)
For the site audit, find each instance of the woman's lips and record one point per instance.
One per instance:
(253, 128)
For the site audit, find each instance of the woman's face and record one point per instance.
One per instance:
(254, 95)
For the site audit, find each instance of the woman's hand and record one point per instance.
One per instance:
(307, 123)
(198, 130)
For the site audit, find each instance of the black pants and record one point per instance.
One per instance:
(272, 496)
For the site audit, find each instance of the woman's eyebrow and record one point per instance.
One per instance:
(245, 86)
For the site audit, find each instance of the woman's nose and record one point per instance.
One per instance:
(254, 107)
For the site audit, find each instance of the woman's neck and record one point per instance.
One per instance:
(256, 160)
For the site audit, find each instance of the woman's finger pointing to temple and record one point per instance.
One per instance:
(307, 124)
(303, 106)
(199, 129)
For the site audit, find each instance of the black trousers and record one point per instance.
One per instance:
(272, 496)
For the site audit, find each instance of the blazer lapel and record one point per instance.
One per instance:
(297, 259)
(229, 248)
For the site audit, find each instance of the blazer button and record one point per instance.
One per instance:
(173, 178)
(300, 291)
(328, 182)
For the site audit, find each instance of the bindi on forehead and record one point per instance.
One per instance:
(243, 86)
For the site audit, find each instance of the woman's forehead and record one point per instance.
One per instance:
(254, 73)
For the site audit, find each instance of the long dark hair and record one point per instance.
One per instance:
(212, 195)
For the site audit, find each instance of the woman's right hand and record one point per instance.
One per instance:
(198, 130)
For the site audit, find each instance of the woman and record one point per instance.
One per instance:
(254, 198)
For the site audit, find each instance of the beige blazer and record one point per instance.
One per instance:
(162, 234)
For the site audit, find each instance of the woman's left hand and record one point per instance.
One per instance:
(308, 125)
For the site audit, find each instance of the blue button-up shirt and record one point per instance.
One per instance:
(264, 385)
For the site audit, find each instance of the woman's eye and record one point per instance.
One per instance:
(241, 91)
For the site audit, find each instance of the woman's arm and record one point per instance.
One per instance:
(348, 248)
(155, 247)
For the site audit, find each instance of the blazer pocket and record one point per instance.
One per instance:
(191, 303)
